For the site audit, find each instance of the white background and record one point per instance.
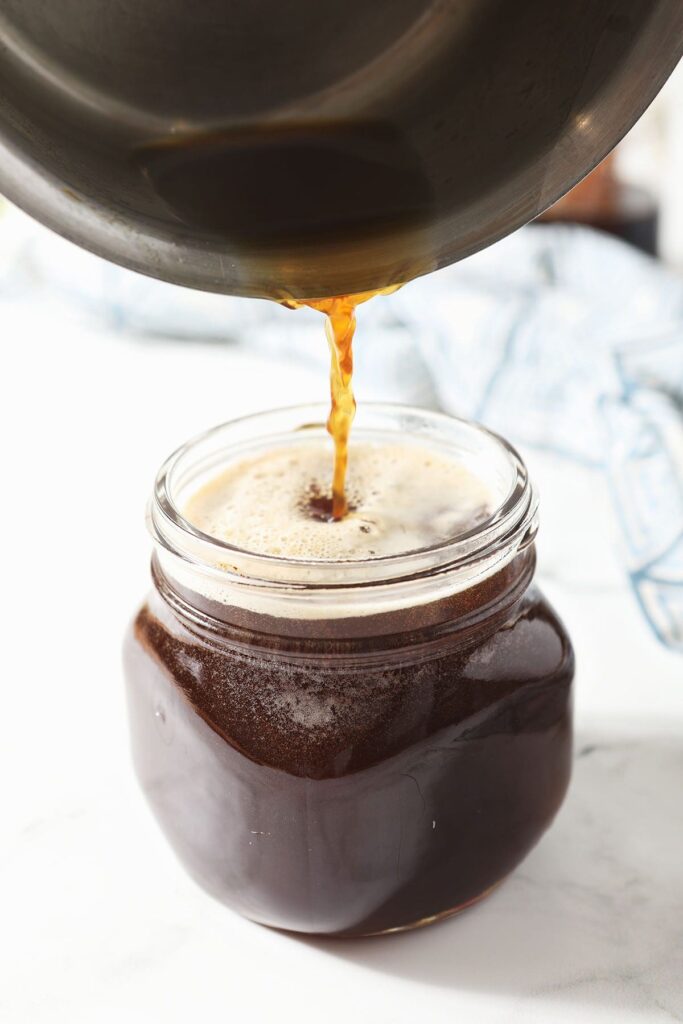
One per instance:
(652, 155)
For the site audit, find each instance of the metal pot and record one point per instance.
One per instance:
(311, 149)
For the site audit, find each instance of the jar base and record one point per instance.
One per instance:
(424, 922)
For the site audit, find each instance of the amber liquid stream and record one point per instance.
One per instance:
(340, 327)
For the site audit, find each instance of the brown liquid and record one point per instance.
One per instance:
(353, 782)
(260, 186)
(340, 328)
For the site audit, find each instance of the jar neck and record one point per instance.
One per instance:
(450, 581)
(467, 616)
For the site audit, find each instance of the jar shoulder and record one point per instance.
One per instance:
(531, 643)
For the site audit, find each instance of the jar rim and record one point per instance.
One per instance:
(510, 526)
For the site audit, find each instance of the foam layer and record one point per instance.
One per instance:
(402, 497)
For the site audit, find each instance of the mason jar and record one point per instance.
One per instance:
(358, 747)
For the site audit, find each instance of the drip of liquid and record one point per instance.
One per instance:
(340, 327)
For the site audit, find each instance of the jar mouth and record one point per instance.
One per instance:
(510, 526)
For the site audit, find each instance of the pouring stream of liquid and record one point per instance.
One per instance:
(340, 328)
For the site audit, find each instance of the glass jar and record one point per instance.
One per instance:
(358, 747)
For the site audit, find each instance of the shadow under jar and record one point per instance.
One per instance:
(350, 748)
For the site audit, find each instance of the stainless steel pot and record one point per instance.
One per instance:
(309, 149)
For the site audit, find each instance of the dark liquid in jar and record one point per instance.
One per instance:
(374, 776)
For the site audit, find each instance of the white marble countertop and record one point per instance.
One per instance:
(100, 924)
